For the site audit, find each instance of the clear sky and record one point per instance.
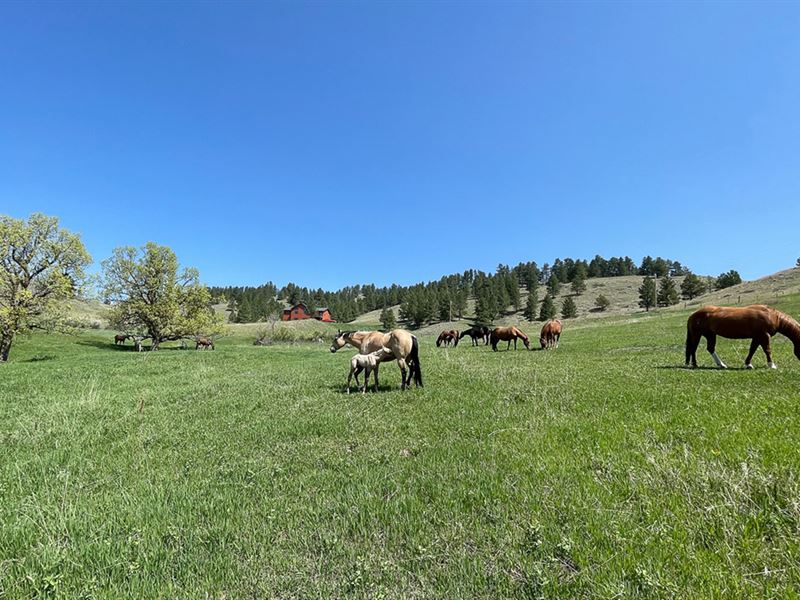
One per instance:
(332, 143)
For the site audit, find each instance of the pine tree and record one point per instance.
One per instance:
(485, 307)
(578, 284)
(531, 305)
(568, 308)
(548, 310)
(692, 286)
(512, 287)
(388, 319)
(647, 293)
(553, 285)
(667, 292)
(602, 303)
(728, 279)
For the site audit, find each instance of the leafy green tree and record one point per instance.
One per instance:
(568, 308)
(388, 320)
(692, 286)
(602, 303)
(531, 305)
(647, 293)
(553, 285)
(40, 266)
(667, 292)
(548, 309)
(152, 300)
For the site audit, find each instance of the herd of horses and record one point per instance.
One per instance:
(548, 338)
(758, 323)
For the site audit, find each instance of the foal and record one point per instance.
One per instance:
(369, 363)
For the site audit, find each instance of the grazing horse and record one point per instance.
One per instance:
(403, 346)
(369, 363)
(757, 322)
(447, 337)
(204, 343)
(120, 338)
(551, 331)
(479, 332)
(508, 334)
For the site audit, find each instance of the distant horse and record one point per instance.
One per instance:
(551, 331)
(447, 337)
(369, 363)
(403, 346)
(507, 334)
(204, 343)
(478, 332)
(757, 322)
(120, 338)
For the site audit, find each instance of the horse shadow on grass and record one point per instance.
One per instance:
(699, 368)
(40, 358)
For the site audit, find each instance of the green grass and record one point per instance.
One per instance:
(600, 469)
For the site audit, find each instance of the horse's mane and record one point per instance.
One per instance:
(788, 326)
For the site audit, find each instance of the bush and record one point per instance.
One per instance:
(602, 303)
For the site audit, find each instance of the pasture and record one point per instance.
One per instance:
(602, 469)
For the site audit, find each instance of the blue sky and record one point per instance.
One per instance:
(344, 142)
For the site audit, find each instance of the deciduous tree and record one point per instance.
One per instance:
(40, 266)
(153, 300)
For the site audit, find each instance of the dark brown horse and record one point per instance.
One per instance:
(479, 332)
(120, 338)
(507, 334)
(757, 323)
(447, 338)
(204, 343)
(551, 331)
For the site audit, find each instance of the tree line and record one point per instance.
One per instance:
(495, 293)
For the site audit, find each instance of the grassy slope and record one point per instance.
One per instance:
(596, 470)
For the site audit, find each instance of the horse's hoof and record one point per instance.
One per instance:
(749, 367)
(773, 366)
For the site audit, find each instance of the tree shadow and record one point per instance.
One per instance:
(40, 358)
(103, 345)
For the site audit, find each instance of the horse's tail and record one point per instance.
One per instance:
(413, 361)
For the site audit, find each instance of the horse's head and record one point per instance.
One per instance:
(338, 342)
(527, 343)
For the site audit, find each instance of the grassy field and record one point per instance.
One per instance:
(600, 470)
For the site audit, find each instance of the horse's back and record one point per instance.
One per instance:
(735, 322)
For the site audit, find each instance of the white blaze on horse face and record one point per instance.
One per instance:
(717, 360)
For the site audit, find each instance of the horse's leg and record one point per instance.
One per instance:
(367, 373)
(712, 349)
(692, 341)
(376, 376)
(753, 347)
(350, 377)
(766, 344)
(401, 362)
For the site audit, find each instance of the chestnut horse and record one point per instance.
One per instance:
(757, 322)
(120, 338)
(204, 343)
(403, 346)
(551, 331)
(479, 332)
(508, 334)
(446, 337)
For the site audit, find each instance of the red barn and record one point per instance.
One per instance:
(296, 313)
(324, 315)
(300, 311)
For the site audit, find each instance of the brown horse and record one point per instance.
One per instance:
(403, 346)
(479, 332)
(507, 334)
(120, 338)
(757, 322)
(551, 331)
(447, 337)
(204, 343)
